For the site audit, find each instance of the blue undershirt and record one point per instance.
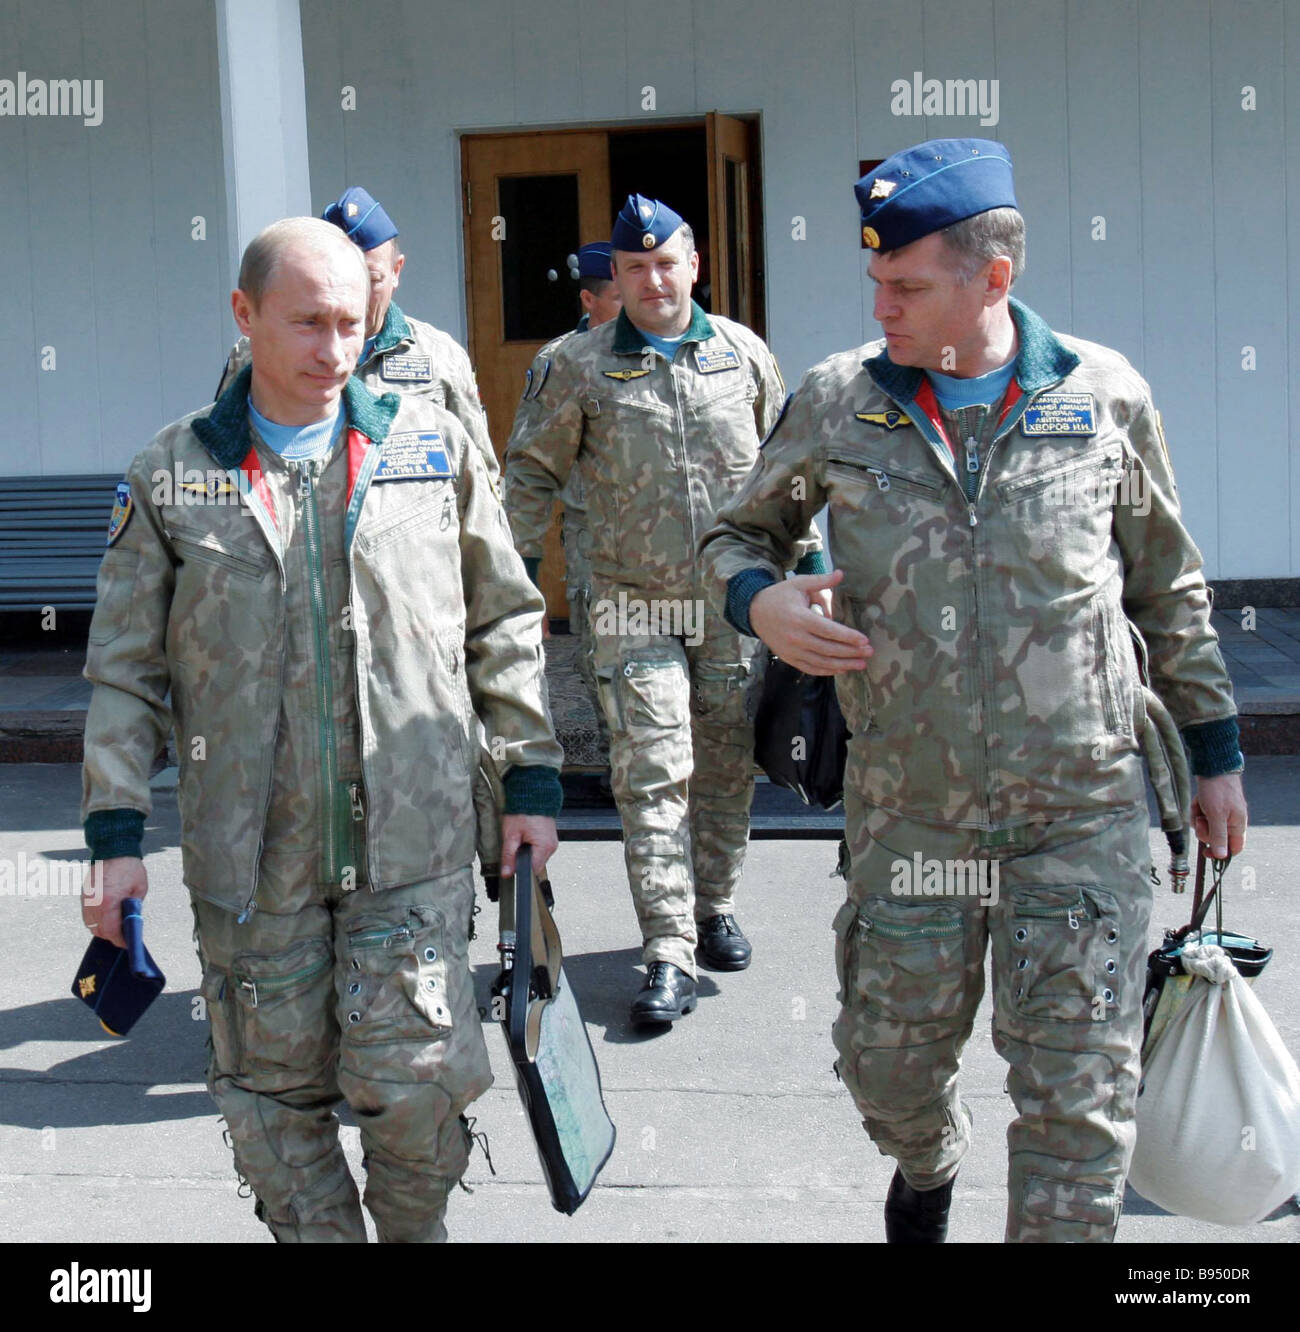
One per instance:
(954, 393)
(294, 443)
(666, 347)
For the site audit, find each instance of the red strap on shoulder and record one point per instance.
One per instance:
(252, 469)
(929, 404)
(357, 446)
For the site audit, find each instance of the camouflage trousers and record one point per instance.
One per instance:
(1065, 906)
(361, 996)
(681, 765)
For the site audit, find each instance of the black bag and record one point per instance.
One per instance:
(555, 1066)
(800, 739)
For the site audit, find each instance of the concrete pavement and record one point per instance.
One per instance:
(732, 1126)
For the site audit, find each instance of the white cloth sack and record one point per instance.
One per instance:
(1218, 1120)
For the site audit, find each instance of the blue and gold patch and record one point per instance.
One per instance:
(891, 420)
(625, 374)
(1060, 414)
(123, 508)
(710, 362)
(418, 455)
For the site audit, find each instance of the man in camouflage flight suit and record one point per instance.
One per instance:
(1002, 511)
(401, 354)
(325, 582)
(601, 302)
(660, 411)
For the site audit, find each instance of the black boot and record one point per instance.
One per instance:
(721, 944)
(668, 993)
(913, 1216)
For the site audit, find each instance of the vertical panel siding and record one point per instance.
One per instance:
(103, 267)
(1250, 300)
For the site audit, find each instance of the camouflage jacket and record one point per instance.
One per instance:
(1003, 686)
(232, 566)
(416, 360)
(657, 444)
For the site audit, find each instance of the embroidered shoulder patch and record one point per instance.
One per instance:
(1060, 414)
(417, 455)
(891, 420)
(123, 508)
(406, 366)
(710, 362)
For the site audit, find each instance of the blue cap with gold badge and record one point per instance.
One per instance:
(593, 261)
(931, 186)
(118, 984)
(362, 218)
(643, 224)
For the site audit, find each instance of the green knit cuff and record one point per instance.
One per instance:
(742, 588)
(114, 832)
(814, 562)
(533, 789)
(1214, 747)
(532, 567)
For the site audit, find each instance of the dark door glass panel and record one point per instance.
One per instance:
(539, 297)
(735, 222)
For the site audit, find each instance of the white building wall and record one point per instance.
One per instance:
(1122, 113)
(1127, 110)
(99, 263)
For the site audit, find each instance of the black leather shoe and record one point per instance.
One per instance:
(722, 945)
(668, 993)
(913, 1216)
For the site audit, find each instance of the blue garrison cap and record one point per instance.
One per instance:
(593, 261)
(643, 224)
(361, 218)
(931, 186)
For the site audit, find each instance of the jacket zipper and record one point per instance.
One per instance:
(324, 688)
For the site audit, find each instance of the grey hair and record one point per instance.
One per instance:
(268, 247)
(988, 235)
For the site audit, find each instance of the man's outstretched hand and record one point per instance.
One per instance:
(790, 618)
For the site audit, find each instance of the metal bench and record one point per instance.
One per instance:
(52, 534)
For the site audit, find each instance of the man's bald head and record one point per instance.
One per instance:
(304, 237)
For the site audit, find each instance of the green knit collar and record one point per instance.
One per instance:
(225, 434)
(629, 342)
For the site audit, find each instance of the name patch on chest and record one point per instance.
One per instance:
(891, 420)
(710, 362)
(415, 456)
(406, 366)
(1060, 414)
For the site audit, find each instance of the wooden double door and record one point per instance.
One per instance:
(531, 199)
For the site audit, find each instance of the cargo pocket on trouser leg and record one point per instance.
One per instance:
(272, 1075)
(1062, 1211)
(908, 999)
(413, 1055)
(1067, 1020)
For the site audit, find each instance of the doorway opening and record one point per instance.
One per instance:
(532, 198)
